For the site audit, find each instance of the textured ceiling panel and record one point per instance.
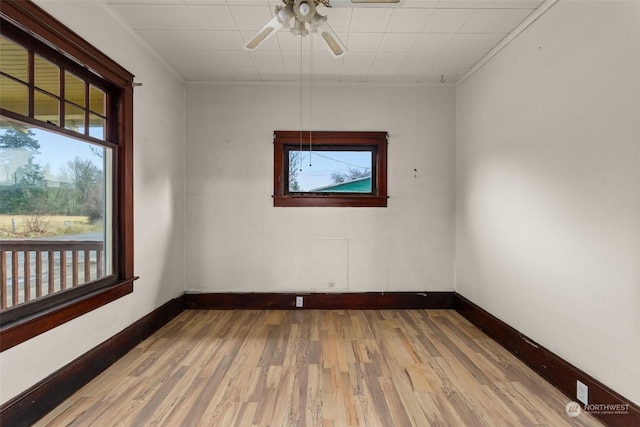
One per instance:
(415, 41)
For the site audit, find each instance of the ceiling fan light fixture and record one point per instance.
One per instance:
(285, 14)
(318, 21)
(304, 10)
(299, 29)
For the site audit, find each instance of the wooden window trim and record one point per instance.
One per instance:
(284, 140)
(43, 27)
(29, 327)
(29, 16)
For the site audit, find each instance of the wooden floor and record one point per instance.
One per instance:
(317, 368)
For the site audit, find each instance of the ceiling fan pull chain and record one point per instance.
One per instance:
(301, 99)
(310, 92)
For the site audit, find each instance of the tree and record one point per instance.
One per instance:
(294, 169)
(14, 138)
(28, 190)
(339, 176)
(31, 175)
(85, 174)
(88, 178)
(16, 148)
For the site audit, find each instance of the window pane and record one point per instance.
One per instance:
(14, 96)
(46, 108)
(53, 217)
(96, 126)
(96, 100)
(14, 60)
(74, 89)
(330, 171)
(73, 118)
(46, 76)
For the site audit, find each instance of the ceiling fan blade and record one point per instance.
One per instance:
(333, 42)
(264, 33)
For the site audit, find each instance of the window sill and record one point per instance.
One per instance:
(330, 201)
(24, 329)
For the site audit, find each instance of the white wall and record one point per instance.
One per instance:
(159, 189)
(548, 187)
(239, 242)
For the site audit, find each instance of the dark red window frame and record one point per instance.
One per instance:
(42, 315)
(284, 141)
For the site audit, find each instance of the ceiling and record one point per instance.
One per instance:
(416, 41)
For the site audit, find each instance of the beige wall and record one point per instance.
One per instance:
(548, 187)
(237, 240)
(158, 216)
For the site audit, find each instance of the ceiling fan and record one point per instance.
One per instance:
(302, 12)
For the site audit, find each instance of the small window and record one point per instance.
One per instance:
(343, 169)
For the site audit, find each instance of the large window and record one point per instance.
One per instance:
(65, 175)
(330, 169)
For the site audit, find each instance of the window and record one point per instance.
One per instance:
(330, 169)
(56, 225)
(66, 236)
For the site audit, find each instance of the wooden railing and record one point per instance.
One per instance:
(31, 269)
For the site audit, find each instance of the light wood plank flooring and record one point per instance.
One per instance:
(317, 368)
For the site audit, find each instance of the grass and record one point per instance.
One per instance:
(31, 226)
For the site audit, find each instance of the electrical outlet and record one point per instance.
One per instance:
(582, 392)
(298, 301)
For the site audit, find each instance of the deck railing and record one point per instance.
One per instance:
(31, 269)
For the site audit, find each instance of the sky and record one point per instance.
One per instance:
(323, 163)
(56, 151)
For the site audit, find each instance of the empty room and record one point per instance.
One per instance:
(320, 212)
